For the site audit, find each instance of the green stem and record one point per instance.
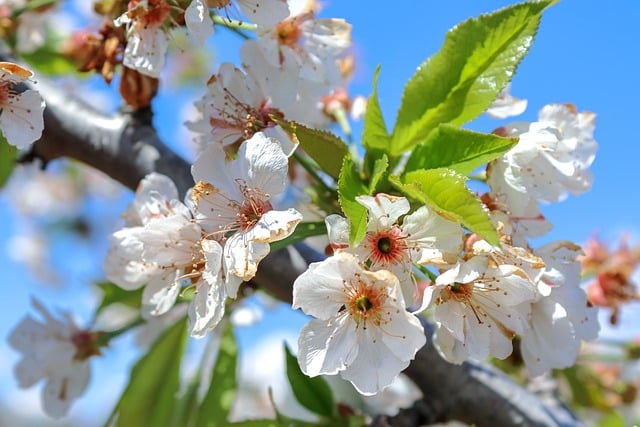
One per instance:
(306, 164)
(340, 114)
(233, 24)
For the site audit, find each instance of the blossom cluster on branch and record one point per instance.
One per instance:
(406, 237)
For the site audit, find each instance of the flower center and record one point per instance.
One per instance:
(364, 302)
(288, 32)
(251, 211)
(86, 344)
(461, 291)
(387, 246)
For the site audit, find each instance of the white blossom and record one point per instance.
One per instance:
(165, 250)
(21, 118)
(56, 351)
(234, 108)
(362, 328)
(423, 237)
(478, 308)
(198, 20)
(506, 105)
(233, 202)
(561, 316)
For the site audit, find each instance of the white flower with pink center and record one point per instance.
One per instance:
(362, 328)
(233, 202)
(478, 308)
(56, 351)
(423, 237)
(234, 109)
(21, 118)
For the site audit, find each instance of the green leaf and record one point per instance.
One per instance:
(374, 134)
(478, 58)
(312, 393)
(302, 231)
(216, 405)
(445, 191)
(351, 185)
(462, 150)
(8, 155)
(112, 293)
(612, 419)
(154, 382)
(378, 173)
(324, 147)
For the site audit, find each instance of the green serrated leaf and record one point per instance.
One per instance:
(463, 150)
(312, 393)
(8, 155)
(302, 231)
(154, 381)
(351, 185)
(378, 173)
(215, 407)
(478, 58)
(445, 191)
(374, 134)
(112, 293)
(325, 148)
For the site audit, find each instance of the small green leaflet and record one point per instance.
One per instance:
(351, 185)
(375, 137)
(458, 83)
(154, 382)
(445, 191)
(8, 155)
(216, 404)
(312, 393)
(324, 147)
(448, 146)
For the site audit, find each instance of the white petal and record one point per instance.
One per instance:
(198, 21)
(241, 257)
(275, 225)
(145, 51)
(21, 119)
(60, 391)
(265, 12)
(327, 346)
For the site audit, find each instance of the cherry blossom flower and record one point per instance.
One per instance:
(478, 308)
(57, 351)
(21, 118)
(233, 201)
(164, 249)
(147, 42)
(362, 328)
(552, 157)
(561, 316)
(234, 109)
(423, 238)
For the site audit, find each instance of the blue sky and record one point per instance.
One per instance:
(585, 53)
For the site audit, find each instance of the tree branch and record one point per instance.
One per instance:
(126, 147)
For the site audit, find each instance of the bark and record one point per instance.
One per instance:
(126, 147)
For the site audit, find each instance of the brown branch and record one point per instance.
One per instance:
(126, 147)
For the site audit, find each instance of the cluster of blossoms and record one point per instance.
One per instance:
(367, 296)
(483, 296)
(213, 241)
